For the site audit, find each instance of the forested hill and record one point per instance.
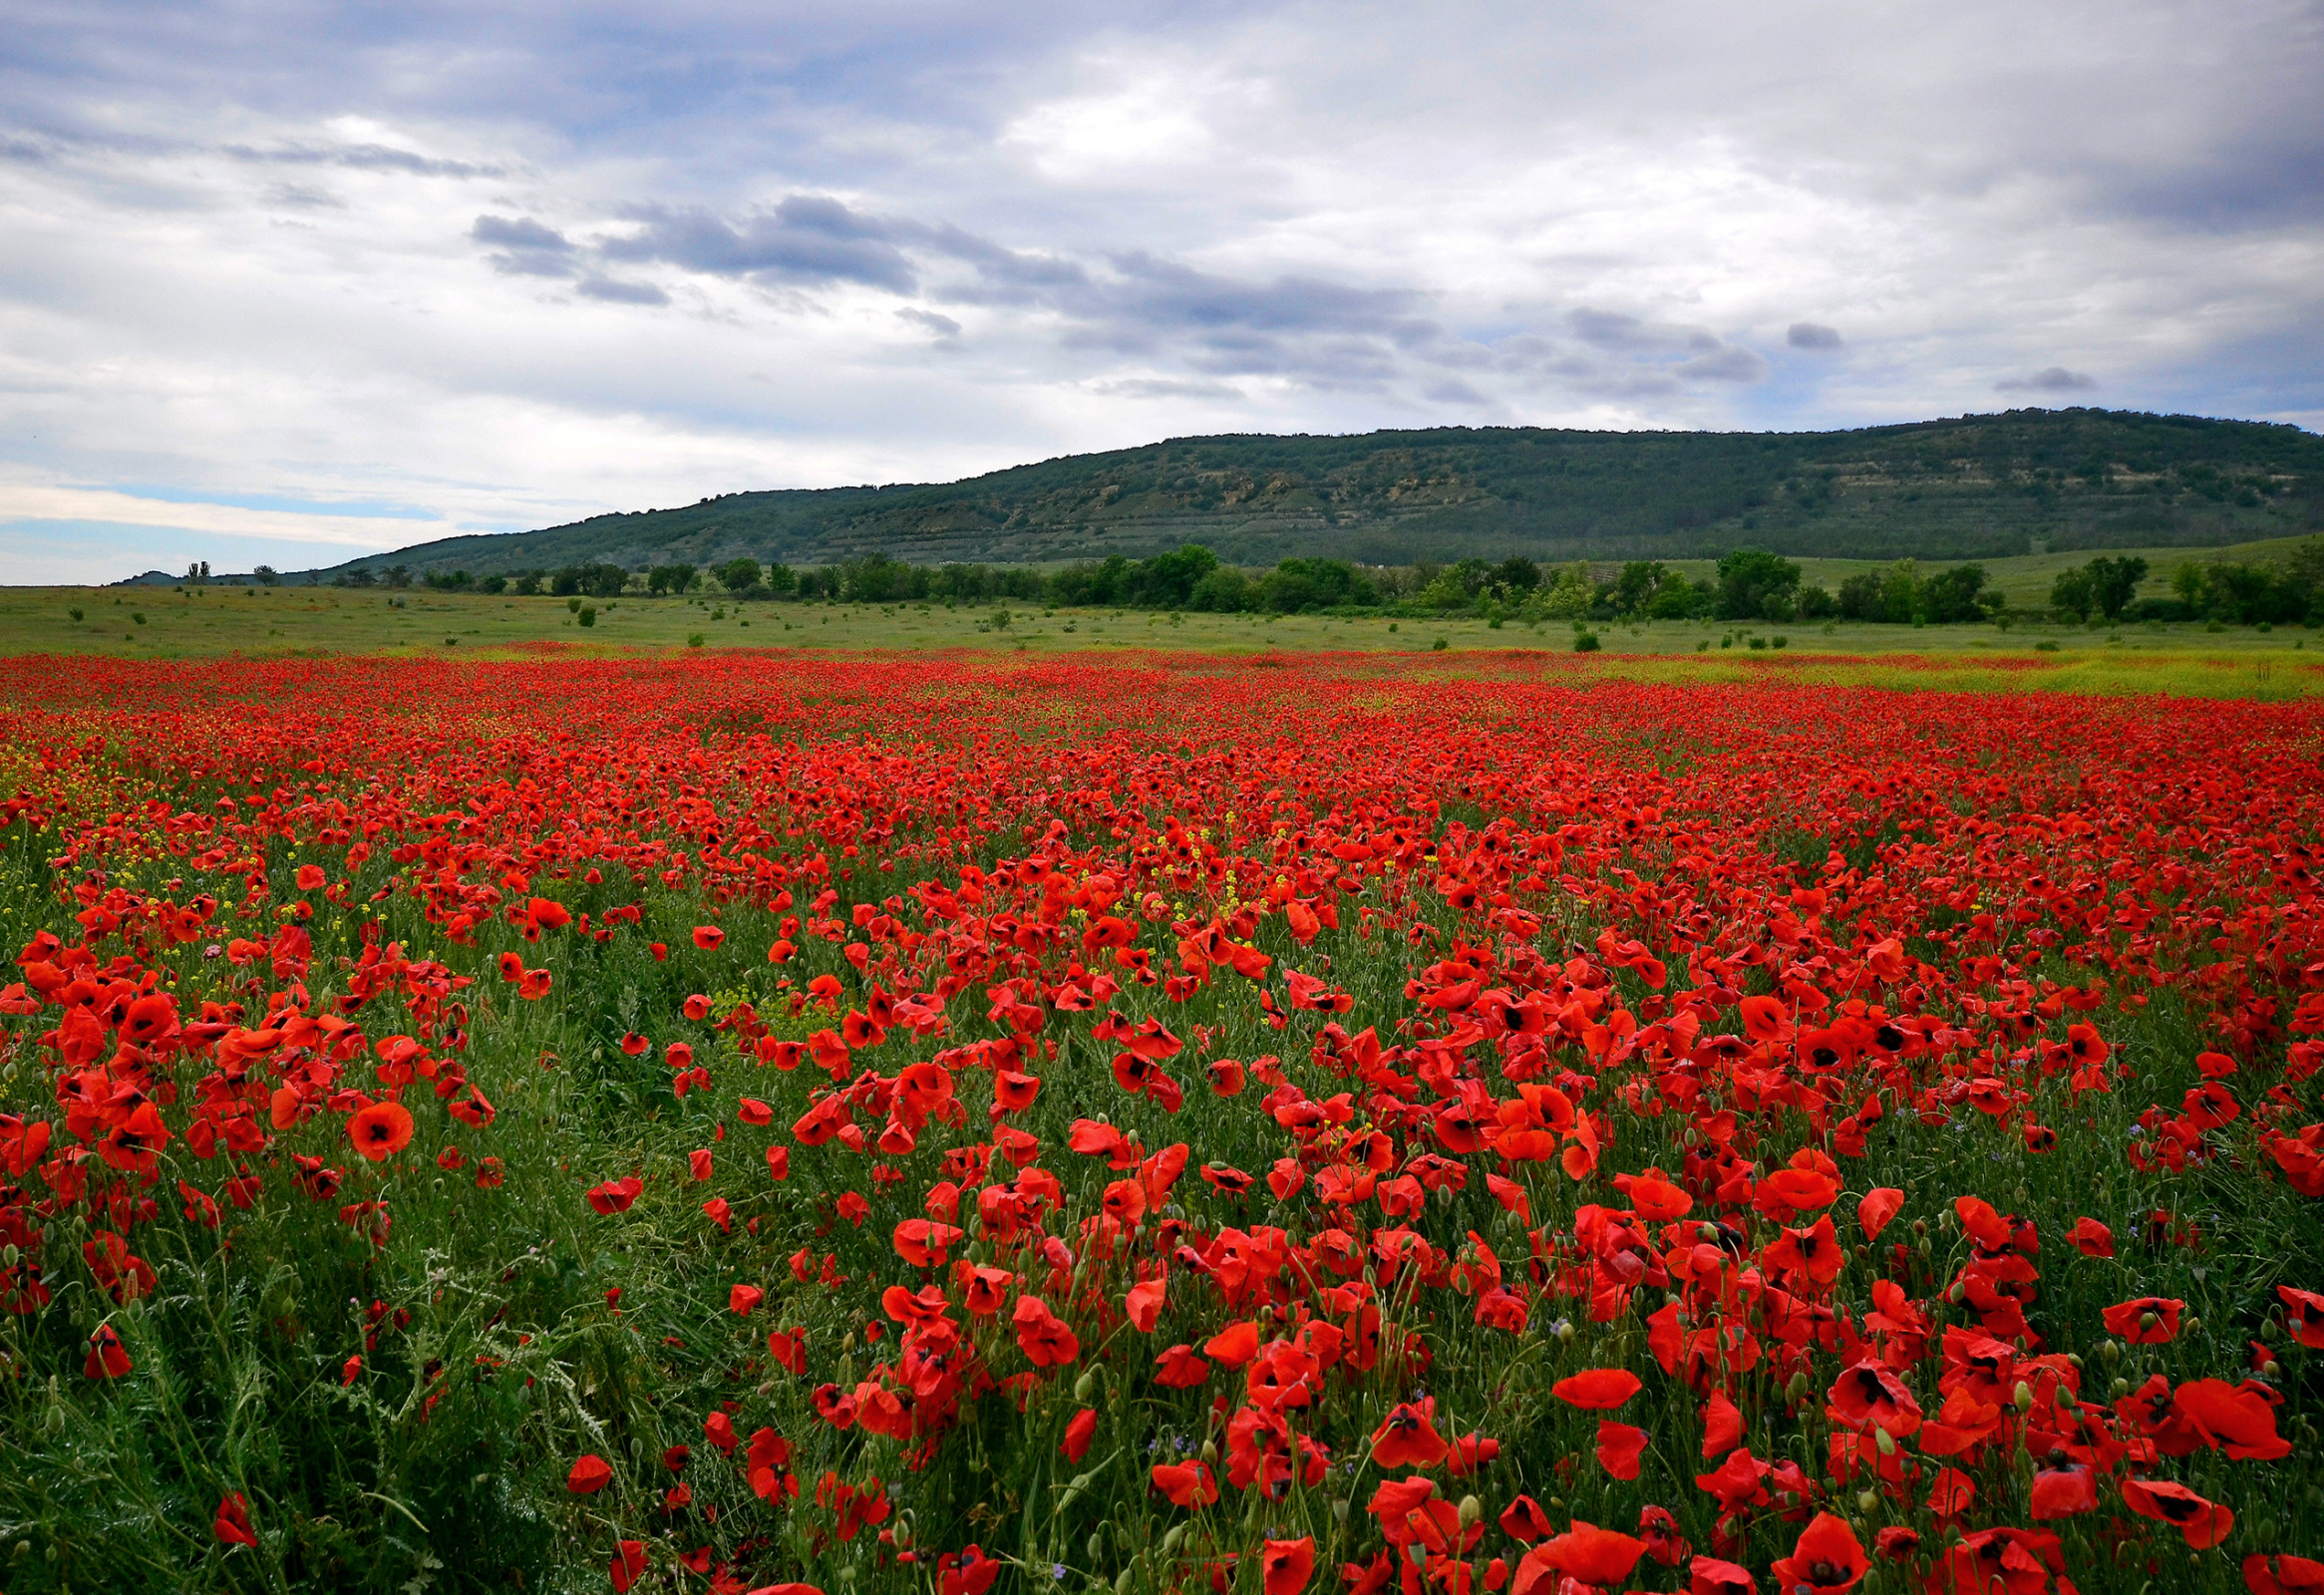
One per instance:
(1979, 486)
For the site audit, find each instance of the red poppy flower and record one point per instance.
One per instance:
(1826, 1560)
(2145, 1320)
(589, 1475)
(233, 1524)
(2064, 1490)
(1707, 1575)
(1619, 1447)
(628, 1565)
(615, 1195)
(2092, 1239)
(381, 1130)
(1185, 1483)
(2204, 1523)
(1867, 1396)
(106, 1359)
(1597, 1390)
(1523, 1520)
(1287, 1565)
(1080, 1429)
(1408, 1438)
(1656, 1200)
(1041, 1335)
(1585, 1554)
(2282, 1575)
(2304, 1316)
(2238, 1417)
(707, 937)
(1877, 1208)
(1178, 1368)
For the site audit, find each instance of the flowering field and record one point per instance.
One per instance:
(1319, 1123)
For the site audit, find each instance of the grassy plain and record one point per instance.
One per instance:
(220, 622)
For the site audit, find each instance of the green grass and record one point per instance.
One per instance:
(220, 622)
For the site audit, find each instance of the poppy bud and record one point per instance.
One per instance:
(1885, 1440)
(2023, 1395)
(2192, 1324)
(2119, 1389)
(1471, 1510)
(1174, 1539)
(1123, 1580)
(1866, 1501)
(1096, 1544)
(1565, 1331)
(1210, 1453)
(2111, 1351)
(1086, 1385)
(1797, 1386)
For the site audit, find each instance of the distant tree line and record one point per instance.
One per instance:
(1749, 584)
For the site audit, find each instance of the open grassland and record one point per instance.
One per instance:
(1053, 1124)
(257, 623)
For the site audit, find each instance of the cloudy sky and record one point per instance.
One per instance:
(287, 281)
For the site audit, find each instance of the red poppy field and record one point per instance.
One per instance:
(1336, 1124)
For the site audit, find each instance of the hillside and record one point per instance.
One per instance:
(1978, 486)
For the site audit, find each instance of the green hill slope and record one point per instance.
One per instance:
(1979, 486)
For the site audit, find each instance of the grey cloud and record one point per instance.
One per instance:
(2050, 379)
(1605, 327)
(365, 158)
(614, 291)
(527, 248)
(1810, 335)
(1726, 363)
(1454, 393)
(805, 239)
(941, 326)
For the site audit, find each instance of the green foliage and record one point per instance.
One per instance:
(1756, 585)
(2105, 585)
(670, 580)
(739, 574)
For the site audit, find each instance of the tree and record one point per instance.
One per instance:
(2113, 582)
(266, 575)
(671, 579)
(1517, 576)
(2071, 594)
(1952, 596)
(736, 574)
(781, 578)
(1756, 585)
